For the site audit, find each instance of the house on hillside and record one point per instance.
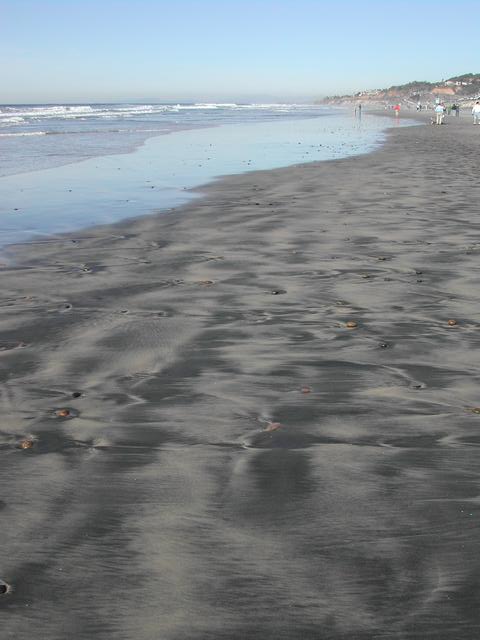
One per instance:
(458, 83)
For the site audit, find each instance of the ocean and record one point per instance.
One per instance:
(54, 135)
(66, 167)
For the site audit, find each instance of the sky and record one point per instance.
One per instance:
(228, 50)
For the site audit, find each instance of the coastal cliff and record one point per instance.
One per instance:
(463, 90)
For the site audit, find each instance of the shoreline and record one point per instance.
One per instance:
(131, 149)
(143, 136)
(165, 171)
(240, 463)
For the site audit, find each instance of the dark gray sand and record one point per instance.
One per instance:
(240, 464)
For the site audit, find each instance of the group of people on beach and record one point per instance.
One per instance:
(452, 107)
(441, 109)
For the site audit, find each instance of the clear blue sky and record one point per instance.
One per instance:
(84, 50)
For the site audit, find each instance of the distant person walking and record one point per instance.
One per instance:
(476, 112)
(439, 113)
(358, 110)
(396, 108)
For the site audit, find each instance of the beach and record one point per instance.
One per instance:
(253, 416)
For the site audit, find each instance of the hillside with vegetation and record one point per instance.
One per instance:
(463, 90)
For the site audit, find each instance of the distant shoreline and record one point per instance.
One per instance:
(163, 171)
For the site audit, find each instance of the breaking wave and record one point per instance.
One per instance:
(17, 114)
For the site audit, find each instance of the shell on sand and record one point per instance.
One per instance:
(272, 426)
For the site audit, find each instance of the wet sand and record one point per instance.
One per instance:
(238, 462)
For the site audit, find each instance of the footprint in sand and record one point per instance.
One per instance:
(5, 588)
(8, 346)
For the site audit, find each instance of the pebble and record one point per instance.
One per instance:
(452, 323)
(306, 389)
(63, 413)
(351, 324)
(25, 444)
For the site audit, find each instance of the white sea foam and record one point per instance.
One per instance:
(84, 111)
(46, 111)
(16, 115)
(6, 121)
(21, 134)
